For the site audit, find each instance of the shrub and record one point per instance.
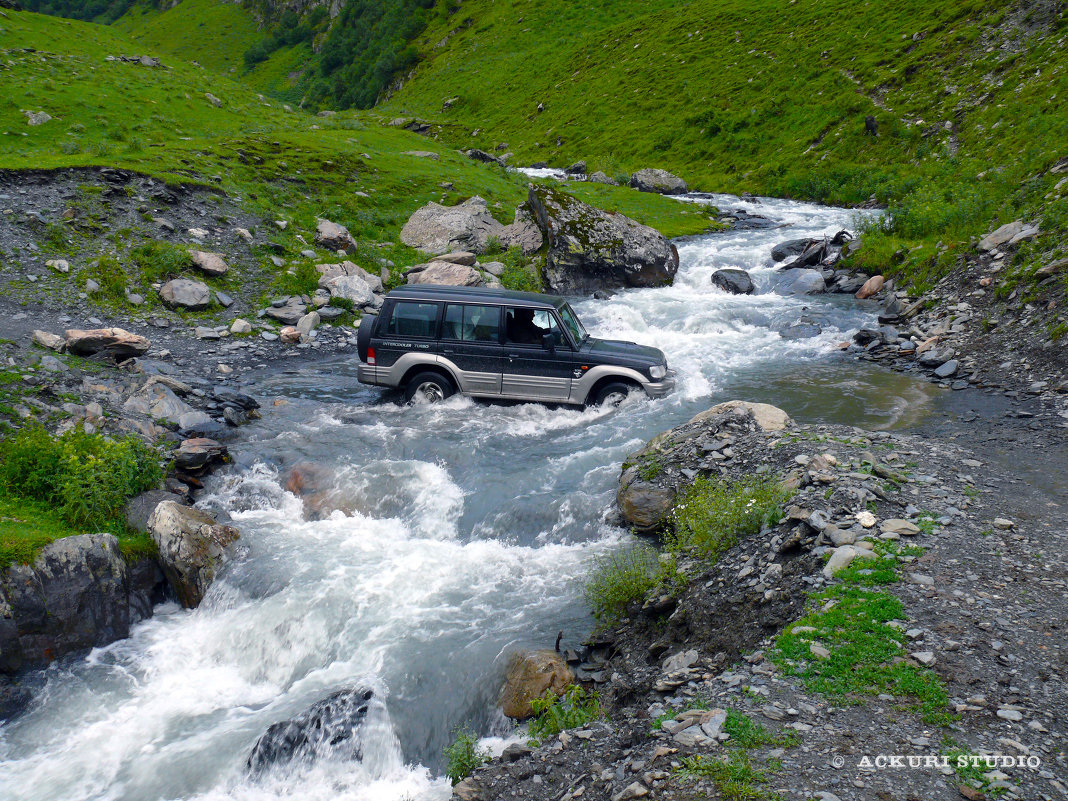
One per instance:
(463, 755)
(712, 515)
(519, 273)
(86, 478)
(107, 272)
(624, 578)
(161, 260)
(552, 714)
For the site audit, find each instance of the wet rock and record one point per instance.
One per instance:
(159, 402)
(803, 282)
(644, 506)
(197, 453)
(192, 548)
(74, 596)
(439, 272)
(872, 286)
(209, 263)
(138, 510)
(531, 675)
(442, 229)
(660, 181)
(183, 293)
(792, 247)
(946, 369)
(590, 249)
(117, 343)
(737, 282)
(330, 727)
(334, 236)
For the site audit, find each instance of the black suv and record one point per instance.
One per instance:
(433, 341)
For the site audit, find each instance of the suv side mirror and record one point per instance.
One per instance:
(548, 341)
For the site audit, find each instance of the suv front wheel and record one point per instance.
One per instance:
(612, 394)
(428, 388)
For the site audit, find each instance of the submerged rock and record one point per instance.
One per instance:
(590, 249)
(331, 726)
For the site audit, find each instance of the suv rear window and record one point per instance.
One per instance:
(413, 320)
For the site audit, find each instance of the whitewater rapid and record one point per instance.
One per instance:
(466, 531)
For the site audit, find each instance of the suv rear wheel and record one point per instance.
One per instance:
(612, 394)
(428, 388)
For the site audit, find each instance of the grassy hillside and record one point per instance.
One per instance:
(969, 99)
(164, 121)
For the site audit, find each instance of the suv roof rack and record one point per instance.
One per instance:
(469, 293)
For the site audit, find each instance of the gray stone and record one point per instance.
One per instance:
(224, 299)
(159, 402)
(209, 263)
(458, 257)
(350, 287)
(48, 340)
(661, 181)
(192, 548)
(442, 229)
(841, 558)
(117, 343)
(524, 232)
(439, 272)
(602, 178)
(183, 293)
(736, 282)
(947, 369)
(1001, 236)
(308, 323)
(334, 236)
(799, 281)
(590, 249)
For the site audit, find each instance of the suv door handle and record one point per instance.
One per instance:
(514, 356)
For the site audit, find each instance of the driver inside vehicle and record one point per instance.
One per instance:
(522, 329)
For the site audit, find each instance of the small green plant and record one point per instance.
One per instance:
(463, 756)
(159, 261)
(747, 733)
(109, 274)
(622, 579)
(711, 515)
(552, 714)
(970, 772)
(734, 775)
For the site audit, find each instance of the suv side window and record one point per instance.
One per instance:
(410, 319)
(528, 326)
(472, 323)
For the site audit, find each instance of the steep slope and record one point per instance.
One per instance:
(950, 111)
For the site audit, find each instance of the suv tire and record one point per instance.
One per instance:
(612, 394)
(428, 388)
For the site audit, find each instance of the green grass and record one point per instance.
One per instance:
(734, 98)
(712, 514)
(734, 775)
(463, 756)
(623, 579)
(867, 655)
(967, 772)
(27, 526)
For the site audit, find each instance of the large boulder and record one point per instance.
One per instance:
(158, 401)
(348, 287)
(792, 247)
(524, 232)
(737, 282)
(183, 293)
(334, 236)
(74, 596)
(192, 548)
(651, 477)
(328, 728)
(438, 229)
(209, 263)
(661, 181)
(531, 674)
(442, 272)
(114, 342)
(590, 249)
(328, 271)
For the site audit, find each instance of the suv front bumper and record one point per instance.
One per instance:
(658, 389)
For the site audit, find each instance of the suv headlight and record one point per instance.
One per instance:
(658, 371)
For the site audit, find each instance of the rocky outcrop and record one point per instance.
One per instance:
(441, 272)
(440, 229)
(331, 727)
(334, 236)
(524, 232)
(737, 282)
(183, 293)
(114, 342)
(660, 181)
(192, 548)
(531, 674)
(651, 479)
(79, 593)
(590, 249)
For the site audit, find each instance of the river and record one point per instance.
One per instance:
(466, 532)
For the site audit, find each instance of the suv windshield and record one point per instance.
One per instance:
(571, 322)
